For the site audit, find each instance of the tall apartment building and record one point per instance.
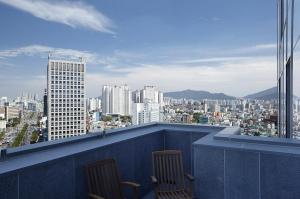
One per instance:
(94, 104)
(148, 105)
(161, 98)
(66, 98)
(136, 96)
(116, 100)
(145, 112)
(150, 93)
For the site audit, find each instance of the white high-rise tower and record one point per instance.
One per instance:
(66, 98)
(150, 93)
(116, 100)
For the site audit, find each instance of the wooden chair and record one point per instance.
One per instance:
(168, 176)
(104, 181)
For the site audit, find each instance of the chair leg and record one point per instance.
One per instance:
(136, 194)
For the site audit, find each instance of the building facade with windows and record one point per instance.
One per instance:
(116, 100)
(150, 93)
(146, 112)
(66, 98)
(288, 68)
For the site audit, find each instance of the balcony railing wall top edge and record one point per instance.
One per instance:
(71, 140)
(217, 156)
(21, 157)
(230, 138)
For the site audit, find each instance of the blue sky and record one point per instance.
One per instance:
(215, 45)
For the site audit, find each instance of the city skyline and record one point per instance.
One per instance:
(117, 52)
(167, 98)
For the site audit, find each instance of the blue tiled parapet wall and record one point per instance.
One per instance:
(56, 169)
(231, 166)
(226, 165)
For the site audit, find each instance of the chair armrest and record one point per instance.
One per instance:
(94, 196)
(131, 184)
(135, 187)
(191, 184)
(154, 180)
(189, 177)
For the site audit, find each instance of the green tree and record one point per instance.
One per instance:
(2, 133)
(125, 118)
(256, 133)
(107, 118)
(196, 117)
(20, 137)
(34, 136)
(31, 115)
(13, 122)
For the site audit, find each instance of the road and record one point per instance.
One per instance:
(29, 118)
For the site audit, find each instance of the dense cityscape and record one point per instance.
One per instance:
(149, 99)
(64, 111)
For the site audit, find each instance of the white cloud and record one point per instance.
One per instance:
(74, 14)
(115, 60)
(233, 75)
(265, 46)
(270, 47)
(211, 59)
(43, 51)
(238, 77)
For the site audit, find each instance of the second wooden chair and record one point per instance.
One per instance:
(168, 176)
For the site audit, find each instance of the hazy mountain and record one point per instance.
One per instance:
(197, 95)
(268, 94)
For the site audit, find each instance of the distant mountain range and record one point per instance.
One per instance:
(268, 94)
(197, 95)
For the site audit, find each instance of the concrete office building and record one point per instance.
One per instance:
(66, 98)
(11, 112)
(2, 124)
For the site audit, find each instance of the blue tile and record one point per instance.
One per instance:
(194, 138)
(9, 186)
(280, 176)
(180, 141)
(54, 179)
(241, 174)
(149, 195)
(143, 148)
(81, 160)
(123, 153)
(209, 172)
(65, 178)
(104, 152)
